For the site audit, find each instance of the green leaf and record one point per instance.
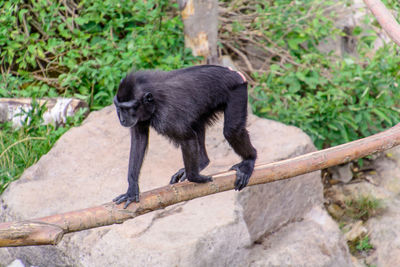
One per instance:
(382, 115)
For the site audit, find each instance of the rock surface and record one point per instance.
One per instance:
(382, 182)
(348, 17)
(301, 244)
(342, 173)
(385, 229)
(88, 166)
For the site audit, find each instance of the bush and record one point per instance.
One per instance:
(23, 147)
(81, 49)
(333, 99)
(84, 48)
(356, 101)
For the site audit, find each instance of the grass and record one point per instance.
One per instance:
(363, 207)
(360, 246)
(20, 148)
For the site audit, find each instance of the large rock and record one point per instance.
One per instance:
(348, 16)
(382, 182)
(301, 244)
(88, 167)
(385, 228)
(385, 236)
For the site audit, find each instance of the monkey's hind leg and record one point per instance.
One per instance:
(190, 152)
(180, 175)
(236, 134)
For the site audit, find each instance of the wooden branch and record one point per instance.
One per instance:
(57, 109)
(50, 230)
(385, 19)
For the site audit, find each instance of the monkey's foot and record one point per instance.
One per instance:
(179, 176)
(243, 170)
(200, 179)
(126, 198)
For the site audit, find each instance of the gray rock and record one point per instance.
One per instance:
(313, 241)
(348, 17)
(355, 231)
(384, 228)
(342, 173)
(385, 236)
(88, 167)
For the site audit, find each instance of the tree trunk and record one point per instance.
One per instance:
(200, 19)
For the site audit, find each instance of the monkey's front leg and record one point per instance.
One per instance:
(139, 141)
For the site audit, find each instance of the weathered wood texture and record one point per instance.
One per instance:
(200, 20)
(57, 109)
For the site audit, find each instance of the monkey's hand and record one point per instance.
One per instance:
(243, 170)
(179, 176)
(128, 197)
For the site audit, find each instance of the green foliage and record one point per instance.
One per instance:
(84, 48)
(363, 207)
(392, 4)
(21, 148)
(364, 245)
(360, 246)
(80, 49)
(334, 100)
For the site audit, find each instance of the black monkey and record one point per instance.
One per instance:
(179, 104)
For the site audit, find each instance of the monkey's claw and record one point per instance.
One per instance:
(126, 198)
(179, 176)
(243, 170)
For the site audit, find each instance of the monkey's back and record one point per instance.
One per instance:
(188, 98)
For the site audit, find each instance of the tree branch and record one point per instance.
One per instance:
(385, 19)
(50, 230)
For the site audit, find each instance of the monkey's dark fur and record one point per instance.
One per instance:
(180, 104)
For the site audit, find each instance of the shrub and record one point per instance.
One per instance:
(83, 48)
(335, 100)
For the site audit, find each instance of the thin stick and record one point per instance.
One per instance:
(242, 55)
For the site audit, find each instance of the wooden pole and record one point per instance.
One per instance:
(50, 230)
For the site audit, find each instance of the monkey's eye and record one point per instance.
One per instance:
(148, 98)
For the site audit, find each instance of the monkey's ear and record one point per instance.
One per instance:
(148, 98)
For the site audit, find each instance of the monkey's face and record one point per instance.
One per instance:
(127, 112)
(136, 110)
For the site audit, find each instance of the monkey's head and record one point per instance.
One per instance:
(133, 103)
